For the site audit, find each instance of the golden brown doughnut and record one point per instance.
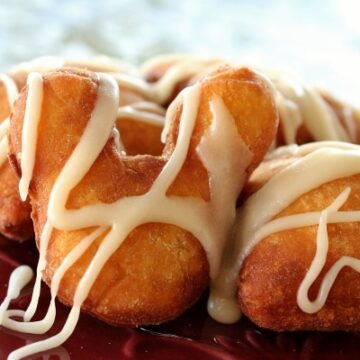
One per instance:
(134, 287)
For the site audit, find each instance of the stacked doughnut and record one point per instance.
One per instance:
(134, 178)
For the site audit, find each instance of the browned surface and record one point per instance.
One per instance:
(15, 222)
(160, 270)
(139, 137)
(272, 273)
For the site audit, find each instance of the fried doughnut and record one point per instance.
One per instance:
(143, 234)
(298, 240)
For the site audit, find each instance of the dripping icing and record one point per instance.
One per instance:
(29, 134)
(322, 246)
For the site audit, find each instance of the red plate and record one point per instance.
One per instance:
(193, 336)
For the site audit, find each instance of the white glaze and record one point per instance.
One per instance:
(296, 150)
(19, 278)
(149, 107)
(322, 246)
(29, 134)
(11, 89)
(43, 325)
(4, 128)
(12, 94)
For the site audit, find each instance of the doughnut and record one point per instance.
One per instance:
(133, 239)
(297, 239)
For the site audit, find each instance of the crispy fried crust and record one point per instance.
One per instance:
(15, 222)
(140, 138)
(273, 271)
(135, 287)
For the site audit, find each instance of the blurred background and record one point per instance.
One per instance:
(317, 39)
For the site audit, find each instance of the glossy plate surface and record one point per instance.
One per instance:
(193, 336)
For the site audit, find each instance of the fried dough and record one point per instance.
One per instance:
(160, 270)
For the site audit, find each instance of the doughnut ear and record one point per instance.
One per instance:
(139, 121)
(159, 266)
